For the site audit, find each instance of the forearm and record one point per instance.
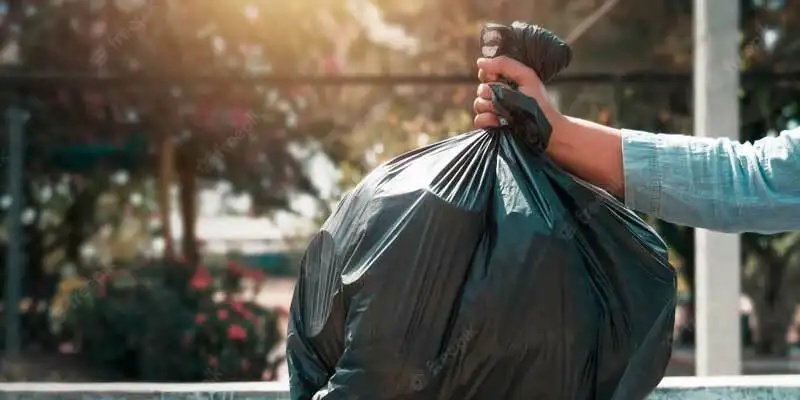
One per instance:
(590, 151)
(703, 182)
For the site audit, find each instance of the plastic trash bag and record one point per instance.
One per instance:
(474, 268)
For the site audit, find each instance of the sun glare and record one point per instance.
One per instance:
(251, 12)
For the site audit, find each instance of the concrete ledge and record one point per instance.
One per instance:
(762, 387)
(765, 387)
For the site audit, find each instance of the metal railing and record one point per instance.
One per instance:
(23, 80)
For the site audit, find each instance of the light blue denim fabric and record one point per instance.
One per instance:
(714, 183)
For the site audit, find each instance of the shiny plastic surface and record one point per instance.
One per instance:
(474, 268)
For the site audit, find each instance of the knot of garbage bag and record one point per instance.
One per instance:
(532, 45)
(542, 51)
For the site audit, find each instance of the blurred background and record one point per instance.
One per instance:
(178, 154)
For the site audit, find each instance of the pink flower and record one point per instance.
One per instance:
(238, 306)
(232, 267)
(222, 315)
(236, 332)
(201, 279)
(200, 318)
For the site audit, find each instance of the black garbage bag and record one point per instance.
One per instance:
(475, 268)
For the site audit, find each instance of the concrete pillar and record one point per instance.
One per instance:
(716, 114)
(15, 118)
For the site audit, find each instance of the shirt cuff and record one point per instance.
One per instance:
(642, 171)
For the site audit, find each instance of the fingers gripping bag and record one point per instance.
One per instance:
(475, 268)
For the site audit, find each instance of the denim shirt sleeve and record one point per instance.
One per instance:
(715, 183)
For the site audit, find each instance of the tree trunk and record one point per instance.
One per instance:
(773, 324)
(773, 311)
(79, 214)
(165, 177)
(187, 178)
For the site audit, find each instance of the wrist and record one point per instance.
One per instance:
(559, 129)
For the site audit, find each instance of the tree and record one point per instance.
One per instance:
(224, 131)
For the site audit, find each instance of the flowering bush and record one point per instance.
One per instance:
(162, 323)
(232, 339)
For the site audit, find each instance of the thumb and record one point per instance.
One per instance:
(510, 69)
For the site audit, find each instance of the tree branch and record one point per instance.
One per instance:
(589, 21)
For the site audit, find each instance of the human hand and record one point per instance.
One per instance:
(490, 70)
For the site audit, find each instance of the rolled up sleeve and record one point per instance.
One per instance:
(642, 171)
(715, 183)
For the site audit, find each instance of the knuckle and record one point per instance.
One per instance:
(482, 105)
(476, 104)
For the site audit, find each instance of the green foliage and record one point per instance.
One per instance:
(242, 133)
(160, 323)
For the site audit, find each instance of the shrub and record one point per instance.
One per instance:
(161, 323)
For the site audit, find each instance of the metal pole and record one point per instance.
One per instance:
(16, 119)
(716, 114)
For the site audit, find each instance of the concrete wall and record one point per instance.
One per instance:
(674, 388)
